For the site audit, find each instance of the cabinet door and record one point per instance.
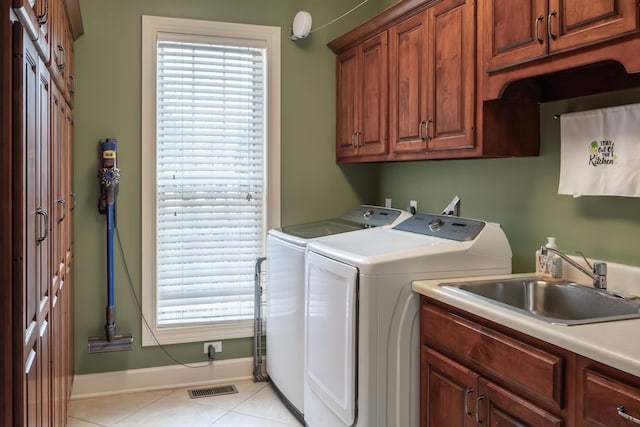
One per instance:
(25, 224)
(513, 32)
(499, 407)
(59, 171)
(448, 391)
(408, 84)
(374, 100)
(609, 402)
(347, 96)
(362, 99)
(30, 205)
(43, 191)
(575, 23)
(451, 79)
(57, 41)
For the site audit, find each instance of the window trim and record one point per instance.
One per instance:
(151, 26)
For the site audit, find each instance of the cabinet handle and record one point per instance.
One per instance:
(478, 400)
(42, 19)
(353, 140)
(537, 24)
(64, 210)
(73, 201)
(358, 142)
(72, 89)
(61, 55)
(551, 35)
(466, 401)
(44, 213)
(426, 127)
(621, 411)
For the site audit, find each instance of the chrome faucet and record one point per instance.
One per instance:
(599, 269)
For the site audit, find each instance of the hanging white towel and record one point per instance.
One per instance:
(600, 152)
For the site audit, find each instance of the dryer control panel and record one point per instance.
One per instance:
(444, 226)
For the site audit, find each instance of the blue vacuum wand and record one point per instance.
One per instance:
(109, 176)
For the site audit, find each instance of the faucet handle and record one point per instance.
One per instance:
(600, 268)
(600, 275)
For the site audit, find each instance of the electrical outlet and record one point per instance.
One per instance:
(387, 203)
(413, 206)
(217, 345)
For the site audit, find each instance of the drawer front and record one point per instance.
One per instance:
(535, 371)
(609, 402)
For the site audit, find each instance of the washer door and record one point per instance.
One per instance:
(331, 322)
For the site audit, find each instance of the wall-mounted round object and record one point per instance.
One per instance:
(301, 26)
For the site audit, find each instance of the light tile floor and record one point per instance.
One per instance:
(255, 405)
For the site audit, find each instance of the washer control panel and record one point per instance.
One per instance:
(447, 227)
(371, 216)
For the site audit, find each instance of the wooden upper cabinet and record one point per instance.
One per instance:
(451, 62)
(374, 102)
(346, 93)
(362, 99)
(576, 23)
(514, 31)
(432, 79)
(518, 31)
(408, 84)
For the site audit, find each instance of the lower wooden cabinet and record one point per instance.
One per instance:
(497, 406)
(477, 373)
(611, 398)
(449, 391)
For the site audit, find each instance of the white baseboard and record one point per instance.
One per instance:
(162, 377)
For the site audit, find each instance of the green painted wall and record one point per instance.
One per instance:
(522, 195)
(519, 193)
(107, 69)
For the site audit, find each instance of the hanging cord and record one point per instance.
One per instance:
(139, 307)
(338, 18)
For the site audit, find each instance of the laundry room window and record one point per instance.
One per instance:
(210, 174)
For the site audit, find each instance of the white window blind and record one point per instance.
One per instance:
(210, 148)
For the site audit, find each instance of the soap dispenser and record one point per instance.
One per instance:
(549, 266)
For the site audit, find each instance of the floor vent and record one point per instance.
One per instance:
(212, 391)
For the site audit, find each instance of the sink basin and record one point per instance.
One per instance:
(562, 303)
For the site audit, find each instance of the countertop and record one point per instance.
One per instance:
(613, 343)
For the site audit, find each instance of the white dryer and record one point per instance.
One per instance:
(285, 293)
(361, 317)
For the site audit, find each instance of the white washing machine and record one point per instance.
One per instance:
(285, 293)
(361, 317)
